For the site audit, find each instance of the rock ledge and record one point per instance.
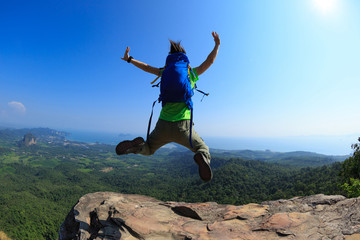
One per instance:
(107, 215)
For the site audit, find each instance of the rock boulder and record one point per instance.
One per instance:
(106, 215)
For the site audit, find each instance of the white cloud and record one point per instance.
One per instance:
(17, 107)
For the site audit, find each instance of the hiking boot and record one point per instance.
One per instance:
(130, 146)
(204, 167)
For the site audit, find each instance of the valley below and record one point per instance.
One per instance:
(41, 182)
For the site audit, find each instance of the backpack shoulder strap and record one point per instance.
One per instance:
(149, 125)
(155, 79)
(190, 71)
(161, 71)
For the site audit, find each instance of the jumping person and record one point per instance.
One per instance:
(175, 120)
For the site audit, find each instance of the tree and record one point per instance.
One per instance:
(353, 188)
(350, 172)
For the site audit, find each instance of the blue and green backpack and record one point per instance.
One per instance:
(175, 85)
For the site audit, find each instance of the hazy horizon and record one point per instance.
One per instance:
(333, 145)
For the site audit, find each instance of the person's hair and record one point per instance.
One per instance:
(176, 47)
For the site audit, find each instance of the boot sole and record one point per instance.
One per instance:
(122, 147)
(204, 168)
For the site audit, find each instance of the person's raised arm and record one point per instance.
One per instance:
(143, 66)
(211, 58)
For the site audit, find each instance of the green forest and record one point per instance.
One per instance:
(40, 183)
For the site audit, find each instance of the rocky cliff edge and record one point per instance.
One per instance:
(107, 215)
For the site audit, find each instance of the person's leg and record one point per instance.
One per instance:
(157, 138)
(129, 146)
(181, 135)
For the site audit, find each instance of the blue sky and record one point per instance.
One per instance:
(284, 68)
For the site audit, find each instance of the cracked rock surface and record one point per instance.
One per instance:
(107, 215)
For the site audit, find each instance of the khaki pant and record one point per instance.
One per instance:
(166, 132)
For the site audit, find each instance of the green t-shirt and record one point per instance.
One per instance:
(178, 111)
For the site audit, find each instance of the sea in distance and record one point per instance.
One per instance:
(328, 145)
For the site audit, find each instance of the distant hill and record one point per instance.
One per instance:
(28, 140)
(291, 159)
(11, 135)
(294, 159)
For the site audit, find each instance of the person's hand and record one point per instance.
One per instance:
(126, 54)
(216, 38)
